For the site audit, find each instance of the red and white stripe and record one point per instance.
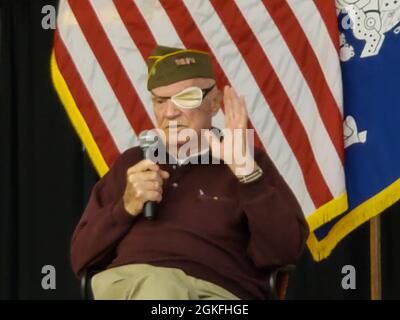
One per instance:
(281, 55)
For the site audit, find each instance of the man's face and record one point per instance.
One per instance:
(167, 113)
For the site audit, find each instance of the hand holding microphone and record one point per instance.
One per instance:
(144, 182)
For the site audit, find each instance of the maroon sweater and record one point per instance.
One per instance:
(208, 225)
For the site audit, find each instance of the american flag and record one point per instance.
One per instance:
(281, 55)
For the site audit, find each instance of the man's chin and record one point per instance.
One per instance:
(172, 137)
(173, 133)
(174, 142)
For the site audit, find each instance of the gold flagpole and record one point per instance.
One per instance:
(375, 258)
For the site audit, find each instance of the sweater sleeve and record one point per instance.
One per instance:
(278, 230)
(104, 221)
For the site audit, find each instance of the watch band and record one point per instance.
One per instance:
(256, 174)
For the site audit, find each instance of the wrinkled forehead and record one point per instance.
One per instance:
(174, 88)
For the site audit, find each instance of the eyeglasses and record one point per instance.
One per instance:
(188, 98)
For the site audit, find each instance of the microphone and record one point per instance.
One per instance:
(148, 142)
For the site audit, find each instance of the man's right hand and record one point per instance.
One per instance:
(144, 183)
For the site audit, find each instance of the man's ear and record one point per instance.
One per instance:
(216, 102)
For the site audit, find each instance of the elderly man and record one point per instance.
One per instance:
(219, 228)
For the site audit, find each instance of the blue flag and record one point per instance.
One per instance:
(370, 62)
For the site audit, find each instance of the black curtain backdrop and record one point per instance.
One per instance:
(45, 179)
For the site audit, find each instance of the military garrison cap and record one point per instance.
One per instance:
(168, 65)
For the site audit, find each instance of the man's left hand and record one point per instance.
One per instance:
(234, 148)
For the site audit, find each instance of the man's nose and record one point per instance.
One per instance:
(172, 111)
